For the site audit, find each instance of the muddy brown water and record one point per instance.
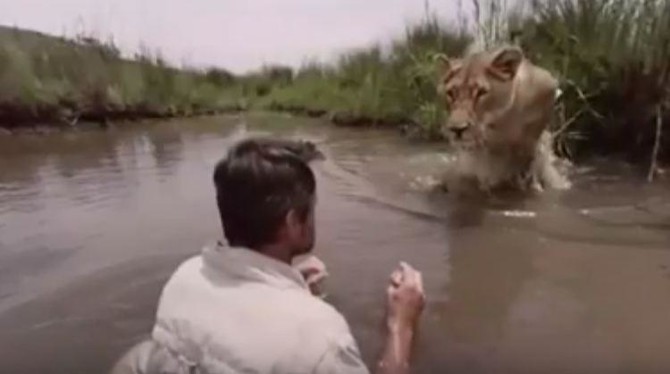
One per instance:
(92, 223)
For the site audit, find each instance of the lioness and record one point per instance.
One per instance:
(500, 106)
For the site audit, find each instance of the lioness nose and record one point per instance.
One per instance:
(459, 130)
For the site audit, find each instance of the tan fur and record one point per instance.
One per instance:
(500, 106)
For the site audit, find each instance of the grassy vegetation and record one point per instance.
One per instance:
(48, 79)
(390, 85)
(612, 58)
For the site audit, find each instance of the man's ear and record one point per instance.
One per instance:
(289, 226)
(295, 222)
(505, 63)
(292, 221)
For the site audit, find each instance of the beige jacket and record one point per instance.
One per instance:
(232, 310)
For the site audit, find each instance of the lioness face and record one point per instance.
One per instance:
(478, 90)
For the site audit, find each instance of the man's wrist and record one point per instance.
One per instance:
(400, 329)
(397, 352)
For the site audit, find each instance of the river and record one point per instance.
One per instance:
(93, 222)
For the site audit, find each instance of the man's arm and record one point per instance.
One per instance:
(405, 303)
(396, 354)
(405, 300)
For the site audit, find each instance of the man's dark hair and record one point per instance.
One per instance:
(257, 184)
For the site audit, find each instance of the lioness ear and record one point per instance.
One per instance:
(447, 66)
(506, 62)
(443, 61)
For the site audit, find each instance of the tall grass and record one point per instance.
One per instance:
(613, 59)
(44, 78)
(380, 84)
(611, 56)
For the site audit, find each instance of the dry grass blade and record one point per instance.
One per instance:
(657, 144)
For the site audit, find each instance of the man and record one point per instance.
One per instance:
(243, 308)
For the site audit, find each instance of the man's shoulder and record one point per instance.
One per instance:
(323, 328)
(186, 270)
(324, 314)
(298, 302)
(324, 323)
(182, 283)
(341, 353)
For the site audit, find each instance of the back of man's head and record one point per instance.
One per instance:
(258, 183)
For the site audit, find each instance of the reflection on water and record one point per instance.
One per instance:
(92, 223)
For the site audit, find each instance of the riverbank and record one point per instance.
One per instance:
(52, 81)
(19, 121)
(612, 59)
(101, 120)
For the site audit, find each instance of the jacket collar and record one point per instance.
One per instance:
(249, 265)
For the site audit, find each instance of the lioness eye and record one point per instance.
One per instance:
(452, 94)
(481, 93)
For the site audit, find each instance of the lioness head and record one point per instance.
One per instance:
(478, 89)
